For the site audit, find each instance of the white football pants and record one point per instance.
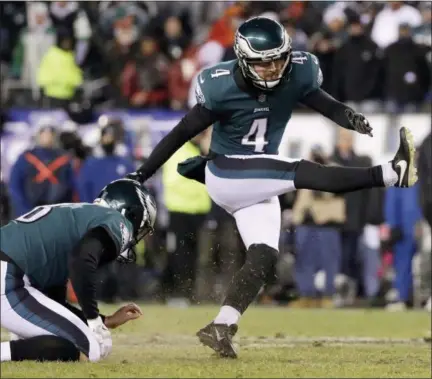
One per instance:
(248, 186)
(26, 312)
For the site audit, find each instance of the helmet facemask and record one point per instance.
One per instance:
(128, 255)
(250, 71)
(138, 206)
(143, 220)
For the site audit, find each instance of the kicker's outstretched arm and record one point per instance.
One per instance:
(194, 122)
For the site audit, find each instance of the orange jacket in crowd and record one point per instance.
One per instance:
(223, 30)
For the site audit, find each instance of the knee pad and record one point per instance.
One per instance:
(262, 258)
(44, 348)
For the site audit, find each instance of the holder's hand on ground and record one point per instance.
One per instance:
(123, 315)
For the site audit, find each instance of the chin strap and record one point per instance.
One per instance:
(267, 84)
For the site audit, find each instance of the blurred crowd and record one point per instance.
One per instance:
(145, 54)
(370, 245)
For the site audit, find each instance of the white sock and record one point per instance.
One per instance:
(227, 315)
(5, 352)
(390, 176)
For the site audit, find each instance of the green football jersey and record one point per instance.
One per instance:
(41, 241)
(254, 123)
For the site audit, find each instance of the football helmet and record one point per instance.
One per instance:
(134, 202)
(258, 41)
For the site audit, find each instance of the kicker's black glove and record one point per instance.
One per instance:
(359, 122)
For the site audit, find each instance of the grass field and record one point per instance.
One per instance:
(273, 342)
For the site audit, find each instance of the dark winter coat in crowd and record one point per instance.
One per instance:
(323, 45)
(13, 17)
(41, 176)
(407, 74)
(63, 16)
(356, 69)
(374, 214)
(355, 202)
(97, 172)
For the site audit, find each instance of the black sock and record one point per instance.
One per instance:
(44, 348)
(247, 282)
(334, 179)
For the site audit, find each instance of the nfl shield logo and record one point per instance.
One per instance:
(262, 98)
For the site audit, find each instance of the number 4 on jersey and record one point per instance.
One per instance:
(220, 72)
(256, 135)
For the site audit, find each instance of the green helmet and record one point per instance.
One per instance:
(135, 203)
(259, 40)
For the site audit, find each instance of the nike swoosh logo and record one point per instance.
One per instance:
(403, 166)
(201, 79)
(218, 336)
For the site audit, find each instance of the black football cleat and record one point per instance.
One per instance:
(219, 338)
(404, 162)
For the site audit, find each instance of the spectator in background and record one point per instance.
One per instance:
(322, 45)
(59, 76)
(423, 36)
(41, 175)
(352, 230)
(106, 166)
(174, 41)
(63, 14)
(71, 142)
(326, 41)
(223, 30)
(114, 17)
(298, 37)
(13, 17)
(402, 213)
(188, 203)
(33, 43)
(144, 80)
(335, 19)
(407, 73)
(68, 15)
(125, 138)
(180, 76)
(318, 217)
(196, 16)
(385, 30)
(370, 244)
(305, 14)
(423, 33)
(356, 71)
(124, 43)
